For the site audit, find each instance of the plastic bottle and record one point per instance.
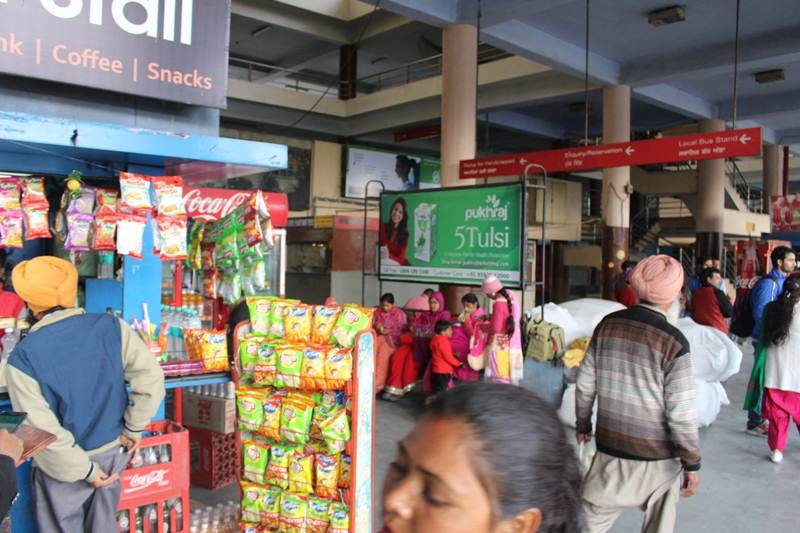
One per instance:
(9, 342)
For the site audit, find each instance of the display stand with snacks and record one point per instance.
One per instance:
(305, 409)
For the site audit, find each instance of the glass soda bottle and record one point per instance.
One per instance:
(123, 522)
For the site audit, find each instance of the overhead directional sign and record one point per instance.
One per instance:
(716, 145)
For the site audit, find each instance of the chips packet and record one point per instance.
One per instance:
(289, 363)
(107, 202)
(259, 307)
(265, 367)
(277, 317)
(248, 355)
(338, 367)
(318, 515)
(255, 459)
(105, 229)
(327, 470)
(37, 223)
(301, 474)
(130, 235)
(271, 427)
(345, 472)
(252, 225)
(296, 414)
(330, 402)
(169, 195)
(214, 350)
(293, 514)
(134, 191)
(312, 373)
(9, 194)
(196, 231)
(297, 323)
(252, 496)
(33, 193)
(250, 407)
(208, 255)
(79, 229)
(336, 431)
(324, 320)
(210, 283)
(83, 203)
(353, 320)
(172, 237)
(278, 470)
(271, 509)
(340, 518)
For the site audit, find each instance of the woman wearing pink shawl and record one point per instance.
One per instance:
(468, 321)
(422, 329)
(389, 322)
(504, 355)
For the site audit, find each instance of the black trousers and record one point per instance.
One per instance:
(440, 382)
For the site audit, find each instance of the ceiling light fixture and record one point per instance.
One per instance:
(768, 76)
(260, 31)
(666, 15)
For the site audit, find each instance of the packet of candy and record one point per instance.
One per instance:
(345, 472)
(318, 519)
(277, 317)
(172, 237)
(79, 228)
(250, 407)
(301, 474)
(33, 194)
(312, 373)
(327, 467)
(169, 195)
(289, 364)
(338, 367)
(340, 518)
(37, 223)
(265, 367)
(296, 414)
(256, 458)
(297, 323)
(293, 514)
(9, 194)
(105, 228)
(259, 307)
(83, 204)
(252, 496)
(130, 235)
(271, 509)
(135, 191)
(353, 320)
(336, 431)
(324, 319)
(107, 202)
(278, 469)
(271, 427)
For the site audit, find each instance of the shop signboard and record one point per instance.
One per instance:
(173, 50)
(398, 171)
(694, 147)
(785, 213)
(205, 203)
(454, 235)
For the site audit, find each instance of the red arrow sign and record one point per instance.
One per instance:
(717, 145)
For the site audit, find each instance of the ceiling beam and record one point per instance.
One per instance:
(762, 105)
(498, 11)
(513, 120)
(434, 12)
(668, 97)
(298, 61)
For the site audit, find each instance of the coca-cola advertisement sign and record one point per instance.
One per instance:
(155, 480)
(213, 204)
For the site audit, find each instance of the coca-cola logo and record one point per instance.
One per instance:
(211, 208)
(140, 482)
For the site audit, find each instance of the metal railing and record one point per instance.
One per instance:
(752, 197)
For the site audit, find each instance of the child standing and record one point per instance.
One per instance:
(443, 362)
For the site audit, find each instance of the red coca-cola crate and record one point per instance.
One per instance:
(214, 458)
(155, 483)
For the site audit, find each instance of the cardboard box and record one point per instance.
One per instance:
(209, 412)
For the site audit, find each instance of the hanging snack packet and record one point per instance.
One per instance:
(37, 223)
(301, 474)
(252, 496)
(278, 469)
(252, 225)
(210, 283)
(10, 229)
(345, 472)
(258, 275)
(293, 514)
(214, 350)
(248, 354)
(207, 255)
(153, 224)
(83, 204)
(249, 403)
(230, 288)
(353, 320)
(327, 467)
(271, 509)
(79, 228)
(296, 414)
(324, 319)
(312, 373)
(289, 363)
(329, 403)
(172, 237)
(130, 235)
(9, 194)
(107, 202)
(297, 323)
(259, 314)
(265, 367)
(256, 458)
(33, 194)
(336, 431)
(340, 518)
(318, 519)
(195, 259)
(105, 228)
(277, 317)
(338, 367)
(271, 427)
(135, 191)
(169, 195)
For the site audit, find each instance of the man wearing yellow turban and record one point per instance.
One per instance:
(69, 375)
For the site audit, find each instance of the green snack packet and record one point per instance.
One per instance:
(259, 308)
(277, 317)
(293, 514)
(353, 320)
(318, 516)
(289, 362)
(336, 431)
(296, 415)
(251, 502)
(248, 354)
(278, 470)
(340, 518)
(256, 458)
(265, 370)
(249, 405)
(271, 508)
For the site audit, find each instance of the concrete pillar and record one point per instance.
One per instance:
(773, 181)
(348, 71)
(616, 186)
(710, 200)
(459, 96)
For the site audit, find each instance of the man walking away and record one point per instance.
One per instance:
(69, 375)
(710, 306)
(639, 368)
(767, 290)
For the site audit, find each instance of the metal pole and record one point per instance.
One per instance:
(364, 237)
(543, 187)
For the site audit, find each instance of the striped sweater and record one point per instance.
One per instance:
(639, 367)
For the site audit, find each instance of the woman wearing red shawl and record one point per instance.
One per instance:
(389, 322)
(403, 368)
(468, 320)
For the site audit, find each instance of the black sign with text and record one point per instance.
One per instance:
(173, 50)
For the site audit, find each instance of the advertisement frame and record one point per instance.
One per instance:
(523, 228)
(411, 153)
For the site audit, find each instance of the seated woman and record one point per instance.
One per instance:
(476, 463)
(403, 368)
(389, 322)
(462, 334)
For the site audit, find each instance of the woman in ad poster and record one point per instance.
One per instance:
(394, 234)
(407, 169)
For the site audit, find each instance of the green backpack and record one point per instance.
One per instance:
(545, 341)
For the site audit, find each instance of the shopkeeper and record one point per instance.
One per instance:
(69, 375)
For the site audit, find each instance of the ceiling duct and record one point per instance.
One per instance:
(667, 15)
